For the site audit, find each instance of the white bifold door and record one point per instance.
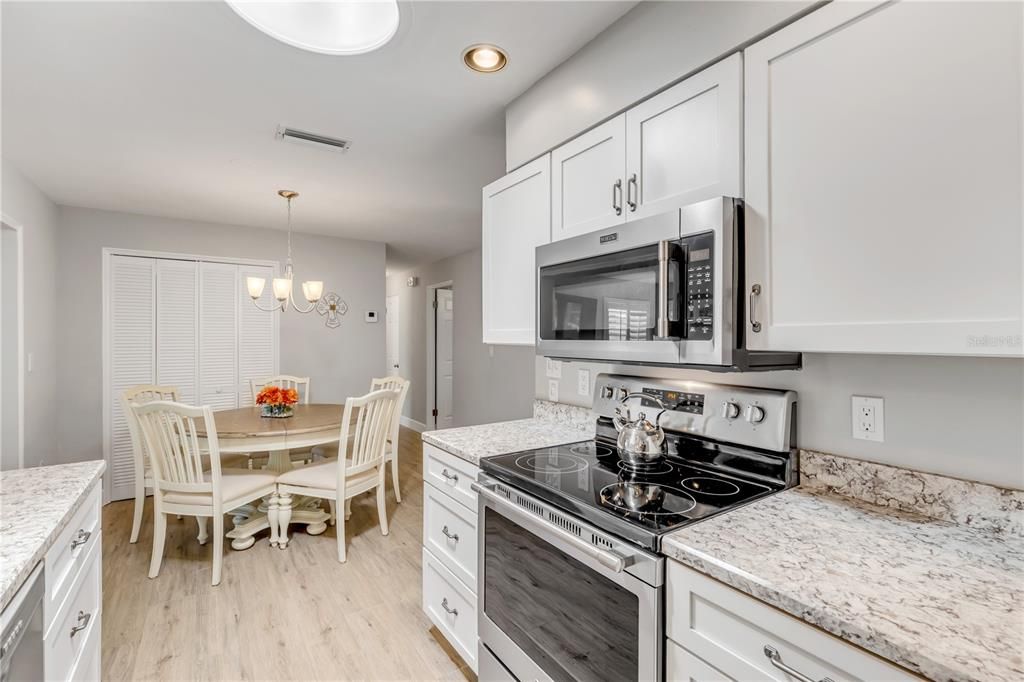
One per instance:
(185, 323)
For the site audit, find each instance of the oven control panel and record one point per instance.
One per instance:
(700, 294)
(677, 401)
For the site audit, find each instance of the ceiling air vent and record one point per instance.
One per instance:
(303, 137)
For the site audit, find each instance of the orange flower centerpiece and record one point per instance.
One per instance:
(275, 401)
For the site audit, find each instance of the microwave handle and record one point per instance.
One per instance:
(663, 324)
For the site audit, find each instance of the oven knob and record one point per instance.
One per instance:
(730, 410)
(754, 414)
(623, 392)
(607, 392)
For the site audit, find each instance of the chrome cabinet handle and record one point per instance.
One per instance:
(83, 622)
(632, 193)
(617, 197)
(454, 478)
(81, 537)
(776, 659)
(754, 292)
(454, 537)
(448, 609)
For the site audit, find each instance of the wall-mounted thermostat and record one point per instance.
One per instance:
(371, 315)
(412, 281)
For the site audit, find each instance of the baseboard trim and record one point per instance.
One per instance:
(410, 423)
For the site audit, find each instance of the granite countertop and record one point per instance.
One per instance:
(474, 442)
(35, 506)
(942, 599)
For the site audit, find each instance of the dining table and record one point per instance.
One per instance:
(245, 431)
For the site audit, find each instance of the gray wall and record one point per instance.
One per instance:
(25, 205)
(962, 417)
(11, 398)
(650, 47)
(340, 361)
(491, 383)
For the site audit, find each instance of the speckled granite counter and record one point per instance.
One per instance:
(553, 424)
(943, 597)
(35, 505)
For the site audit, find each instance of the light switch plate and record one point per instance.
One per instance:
(583, 381)
(553, 390)
(867, 417)
(553, 368)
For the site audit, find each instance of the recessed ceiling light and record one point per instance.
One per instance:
(485, 58)
(336, 27)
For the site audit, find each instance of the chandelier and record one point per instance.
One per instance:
(282, 286)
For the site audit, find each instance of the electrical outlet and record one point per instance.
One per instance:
(868, 418)
(583, 381)
(553, 368)
(553, 390)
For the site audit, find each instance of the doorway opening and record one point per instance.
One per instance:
(12, 341)
(440, 355)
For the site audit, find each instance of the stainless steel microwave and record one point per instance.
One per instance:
(665, 290)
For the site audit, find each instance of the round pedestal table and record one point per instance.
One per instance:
(243, 430)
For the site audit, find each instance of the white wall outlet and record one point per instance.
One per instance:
(553, 368)
(583, 381)
(868, 418)
(553, 390)
(29, 363)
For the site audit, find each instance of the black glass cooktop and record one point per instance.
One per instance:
(637, 502)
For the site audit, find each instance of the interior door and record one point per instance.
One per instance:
(177, 322)
(218, 335)
(392, 336)
(587, 187)
(684, 145)
(444, 349)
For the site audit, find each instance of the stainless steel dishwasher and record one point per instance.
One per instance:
(21, 624)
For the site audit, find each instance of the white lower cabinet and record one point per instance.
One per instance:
(73, 606)
(718, 633)
(450, 549)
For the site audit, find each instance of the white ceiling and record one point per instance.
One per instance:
(170, 108)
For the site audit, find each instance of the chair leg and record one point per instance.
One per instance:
(348, 509)
(382, 510)
(218, 547)
(394, 477)
(341, 535)
(284, 518)
(159, 535)
(334, 512)
(203, 536)
(140, 502)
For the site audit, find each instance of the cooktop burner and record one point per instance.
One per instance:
(640, 502)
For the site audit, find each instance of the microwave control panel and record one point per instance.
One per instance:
(700, 293)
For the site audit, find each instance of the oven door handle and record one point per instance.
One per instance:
(609, 560)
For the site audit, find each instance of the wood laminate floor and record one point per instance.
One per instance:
(293, 614)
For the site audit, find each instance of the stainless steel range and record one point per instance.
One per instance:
(570, 579)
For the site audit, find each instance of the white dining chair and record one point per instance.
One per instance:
(143, 393)
(391, 449)
(359, 468)
(181, 486)
(300, 384)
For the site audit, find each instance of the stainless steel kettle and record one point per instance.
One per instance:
(639, 440)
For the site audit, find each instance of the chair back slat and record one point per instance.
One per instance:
(170, 431)
(143, 393)
(300, 384)
(393, 384)
(368, 418)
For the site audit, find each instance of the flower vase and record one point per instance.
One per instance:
(276, 411)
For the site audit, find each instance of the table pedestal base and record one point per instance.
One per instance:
(250, 520)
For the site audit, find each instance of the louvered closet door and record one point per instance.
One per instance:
(131, 338)
(177, 324)
(218, 338)
(257, 337)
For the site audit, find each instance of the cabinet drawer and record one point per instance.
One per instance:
(64, 560)
(451, 606)
(681, 665)
(449, 532)
(730, 630)
(450, 474)
(64, 650)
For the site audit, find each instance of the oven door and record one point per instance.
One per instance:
(613, 294)
(563, 602)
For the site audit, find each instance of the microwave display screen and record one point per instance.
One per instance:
(700, 254)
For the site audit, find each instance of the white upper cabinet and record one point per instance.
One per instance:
(683, 145)
(883, 180)
(587, 184)
(516, 220)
